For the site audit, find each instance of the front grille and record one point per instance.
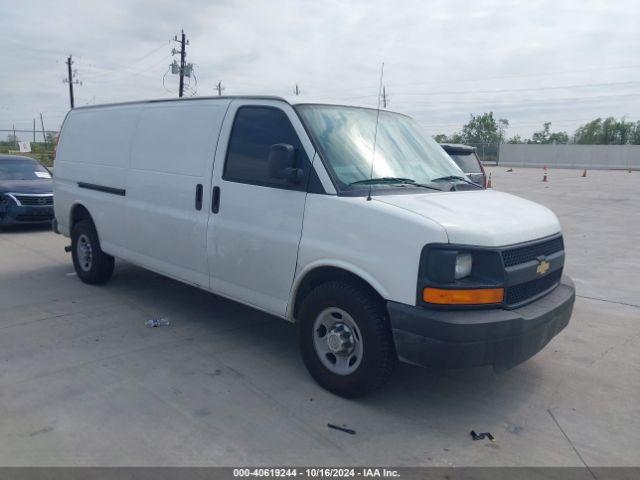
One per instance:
(524, 291)
(35, 200)
(518, 255)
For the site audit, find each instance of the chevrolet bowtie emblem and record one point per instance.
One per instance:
(543, 267)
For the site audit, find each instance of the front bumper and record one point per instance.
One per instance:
(472, 338)
(23, 214)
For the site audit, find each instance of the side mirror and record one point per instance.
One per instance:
(282, 161)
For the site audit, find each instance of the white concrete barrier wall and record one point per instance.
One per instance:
(570, 156)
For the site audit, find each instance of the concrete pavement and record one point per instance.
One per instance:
(84, 382)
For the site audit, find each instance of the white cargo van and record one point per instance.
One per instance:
(286, 208)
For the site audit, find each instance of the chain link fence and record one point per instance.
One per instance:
(489, 153)
(40, 145)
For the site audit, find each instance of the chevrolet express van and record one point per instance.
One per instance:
(348, 221)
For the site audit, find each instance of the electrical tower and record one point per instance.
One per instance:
(297, 90)
(71, 80)
(183, 69)
(219, 88)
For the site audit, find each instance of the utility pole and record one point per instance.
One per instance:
(297, 90)
(385, 100)
(220, 88)
(44, 136)
(183, 54)
(34, 130)
(183, 69)
(71, 80)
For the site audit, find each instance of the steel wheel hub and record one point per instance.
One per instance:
(340, 339)
(337, 341)
(84, 252)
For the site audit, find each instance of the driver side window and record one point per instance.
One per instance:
(255, 130)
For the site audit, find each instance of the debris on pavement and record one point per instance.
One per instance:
(480, 436)
(157, 322)
(342, 429)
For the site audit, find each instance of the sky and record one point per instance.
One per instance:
(566, 62)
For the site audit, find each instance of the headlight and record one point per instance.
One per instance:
(464, 261)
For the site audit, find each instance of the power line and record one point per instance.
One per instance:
(529, 75)
(506, 90)
(123, 69)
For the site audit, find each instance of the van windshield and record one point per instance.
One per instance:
(345, 137)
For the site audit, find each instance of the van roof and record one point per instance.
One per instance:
(184, 99)
(225, 97)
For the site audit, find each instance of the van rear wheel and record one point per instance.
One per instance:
(91, 264)
(345, 339)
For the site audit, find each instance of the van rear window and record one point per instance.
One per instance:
(468, 162)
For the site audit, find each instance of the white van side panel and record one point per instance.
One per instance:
(253, 239)
(173, 152)
(94, 148)
(378, 242)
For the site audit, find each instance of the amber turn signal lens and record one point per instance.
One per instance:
(478, 296)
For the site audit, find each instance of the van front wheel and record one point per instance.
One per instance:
(91, 264)
(345, 339)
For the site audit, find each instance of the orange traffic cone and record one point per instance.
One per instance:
(584, 173)
(489, 182)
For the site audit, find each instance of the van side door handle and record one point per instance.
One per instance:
(215, 200)
(199, 196)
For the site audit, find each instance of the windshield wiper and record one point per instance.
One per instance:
(449, 178)
(394, 181)
(383, 180)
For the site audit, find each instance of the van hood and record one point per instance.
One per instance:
(480, 217)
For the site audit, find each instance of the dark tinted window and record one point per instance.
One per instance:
(22, 169)
(468, 162)
(254, 131)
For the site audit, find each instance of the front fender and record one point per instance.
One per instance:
(342, 265)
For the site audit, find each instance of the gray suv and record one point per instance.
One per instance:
(467, 159)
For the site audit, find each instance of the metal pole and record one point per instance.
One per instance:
(70, 78)
(182, 57)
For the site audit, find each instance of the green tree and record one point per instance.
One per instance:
(589, 133)
(484, 129)
(51, 138)
(547, 136)
(607, 132)
(634, 135)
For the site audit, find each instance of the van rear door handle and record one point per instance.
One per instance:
(215, 200)
(199, 196)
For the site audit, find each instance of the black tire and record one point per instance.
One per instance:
(379, 357)
(100, 266)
